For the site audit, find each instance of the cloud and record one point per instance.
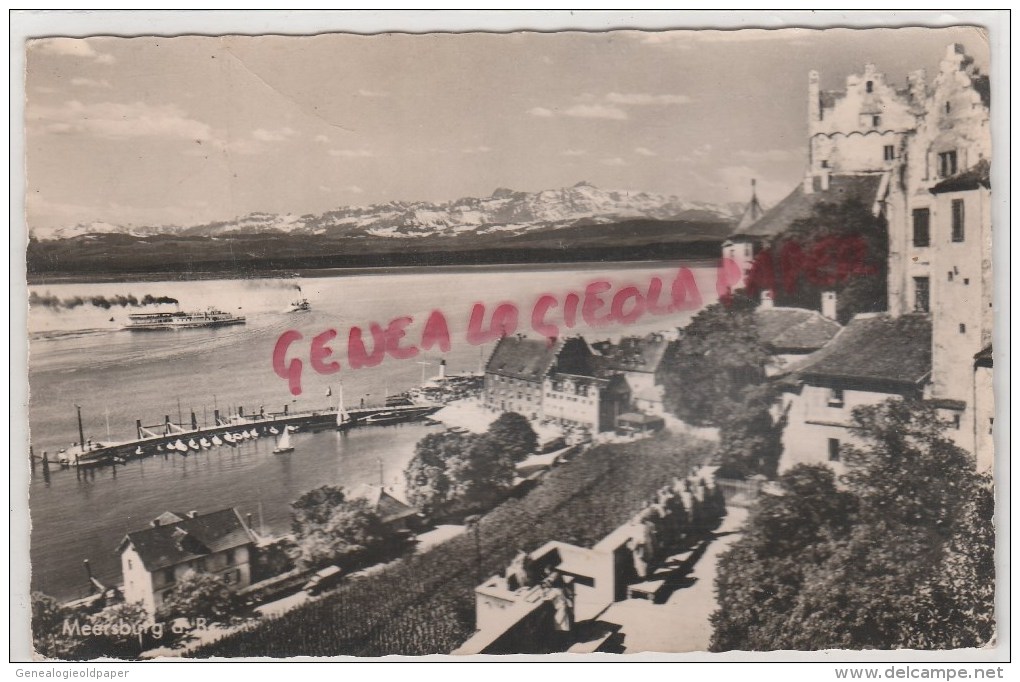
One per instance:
(115, 120)
(735, 181)
(323, 188)
(573, 152)
(686, 40)
(613, 161)
(353, 189)
(696, 154)
(372, 93)
(352, 153)
(480, 149)
(541, 112)
(645, 99)
(644, 151)
(322, 138)
(71, 47)
(90, 83)
(279, 135)
(596, 111)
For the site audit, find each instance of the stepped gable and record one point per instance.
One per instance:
(799, 204)
(795, 330)
(634, 354)
(171, 544)
(874, 349)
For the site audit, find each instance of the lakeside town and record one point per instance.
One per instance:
(718, 486)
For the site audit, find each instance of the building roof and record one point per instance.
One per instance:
(876, 348)
(983, 358)
(794, 330)
(797, 205)
(522, 358)
(171, 544)
(519, 357)
(385, 505)
(635, 354)
(753, 212)
(978, 175)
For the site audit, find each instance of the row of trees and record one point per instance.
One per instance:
(899, 554)
(455, 474)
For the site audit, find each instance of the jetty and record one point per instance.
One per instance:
(155, 439)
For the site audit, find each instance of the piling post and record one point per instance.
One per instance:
(88, 572)
(138, 428)
(216, 417)
(285, 408)
(194, 421)
(166, 425)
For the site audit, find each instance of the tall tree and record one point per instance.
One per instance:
(512, 432)
(840, 247)
(718, 355)
(908, 565)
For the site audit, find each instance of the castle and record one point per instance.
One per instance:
(918, 156)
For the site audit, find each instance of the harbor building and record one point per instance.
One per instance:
(517, 369)
(153, 560)
(638, 359)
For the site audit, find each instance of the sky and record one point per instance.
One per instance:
(187, 130)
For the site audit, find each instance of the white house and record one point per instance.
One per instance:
(154, 559)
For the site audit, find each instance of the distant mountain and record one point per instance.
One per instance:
(505, 211)
(580, 223)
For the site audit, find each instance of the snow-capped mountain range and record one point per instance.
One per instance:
(505, 212)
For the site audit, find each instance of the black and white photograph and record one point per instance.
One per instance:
(486, 343)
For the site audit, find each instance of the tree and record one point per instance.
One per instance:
(750, 441)
(315, 507)
(48, 618)
(352, 535)
(513, 433)
(906, 563)
(115, 632)
(199, 595)
(840, 247)
(329, 527)
(454, 474)
(718, 355)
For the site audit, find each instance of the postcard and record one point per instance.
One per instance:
(491, 343)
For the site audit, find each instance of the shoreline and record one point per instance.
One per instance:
(396, 271)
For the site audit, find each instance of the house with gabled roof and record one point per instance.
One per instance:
(154, 559)
(875, 357)
(517, 369)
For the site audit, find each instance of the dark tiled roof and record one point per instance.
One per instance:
(170, 545)
(795, 330)
(519, 357)
(522, 358)
(875, 347)
(797, 204)
(978, 175)
(635, 354)
(385, 505)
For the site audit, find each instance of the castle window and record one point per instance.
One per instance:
(963, 328)
(948, 107)
(922, 233)
(876, 121)
(947, 164)
(957, 220)
(950, 273)
(825, 164)
(869, 86)
(956, 421)
(889, 152)
(835, 397)
(922, 296)
(833, 449)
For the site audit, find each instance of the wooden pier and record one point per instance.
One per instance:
(152, 440)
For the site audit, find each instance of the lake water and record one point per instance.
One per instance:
(83, 356)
